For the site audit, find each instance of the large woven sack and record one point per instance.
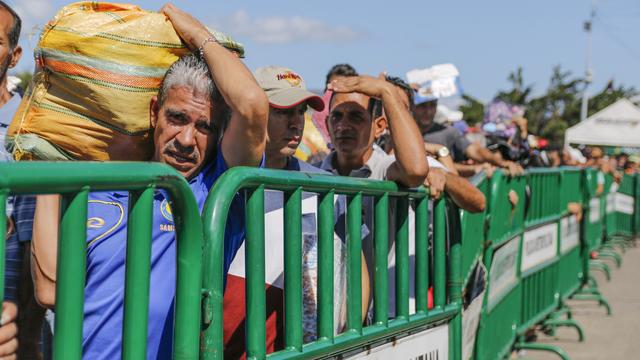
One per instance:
(97, 67)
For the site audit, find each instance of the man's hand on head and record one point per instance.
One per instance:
(367, 85)
(190, 30)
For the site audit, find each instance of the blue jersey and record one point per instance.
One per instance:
(106, 250)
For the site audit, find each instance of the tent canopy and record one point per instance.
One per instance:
(616, 125)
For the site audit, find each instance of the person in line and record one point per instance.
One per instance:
(442, 177)
(455, 143)
(289, 100)
(198, 97)
(355, 120)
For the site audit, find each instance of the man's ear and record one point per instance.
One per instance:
(154, 109)
(16, 54)
(380, 125)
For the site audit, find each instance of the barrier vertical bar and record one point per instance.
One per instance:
(293, 269)
(254, 267)
(325, 266)
(381, 250)
(138, 270)
(422, 255)
(439, 246)
(354, 263)
(455, 288)
(70, 276)
(402, 258)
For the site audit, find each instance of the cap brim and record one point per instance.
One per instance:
(417, 99)
(287, 98)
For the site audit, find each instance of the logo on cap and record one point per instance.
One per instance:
(292, 78)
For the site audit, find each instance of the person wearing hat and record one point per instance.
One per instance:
(288, 102)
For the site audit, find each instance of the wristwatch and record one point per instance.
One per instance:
(443, 152)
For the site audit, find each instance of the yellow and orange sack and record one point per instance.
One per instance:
(97, 67)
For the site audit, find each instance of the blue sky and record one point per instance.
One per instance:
(484, 39)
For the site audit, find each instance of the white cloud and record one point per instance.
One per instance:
(33, 9)
(283, 30)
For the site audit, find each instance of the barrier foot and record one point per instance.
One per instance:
(619, 244)
(599, 265)
(543, 347)
(611, 254)
(554, 323)
(591, 281)
(595, 297)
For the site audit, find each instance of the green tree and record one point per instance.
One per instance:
(472, 109)
(519, 94)
(609, 95)
(25, 77)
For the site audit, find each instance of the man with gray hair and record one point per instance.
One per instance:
(198, 96)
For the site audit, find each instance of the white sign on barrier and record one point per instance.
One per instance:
(610, 202)
(623, 203)
(470, 321)
(429, 344)
(539, 245)
(594, 210)
(503, 272)
(570, 233)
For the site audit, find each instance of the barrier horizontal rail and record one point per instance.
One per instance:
(74, 181)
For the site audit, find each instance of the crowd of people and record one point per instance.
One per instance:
(210, 114)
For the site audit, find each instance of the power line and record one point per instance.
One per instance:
(630, 50)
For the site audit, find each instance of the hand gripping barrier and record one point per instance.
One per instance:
(74, 181)
(356, 338)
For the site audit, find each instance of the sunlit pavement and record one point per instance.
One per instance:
(606, 337)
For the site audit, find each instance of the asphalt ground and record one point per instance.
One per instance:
(615, 336)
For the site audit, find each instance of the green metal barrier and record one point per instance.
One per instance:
(571, 267)
(472, 228)
(539, 256)
(624, 207)
(74, 181)
(593, 228)
(356, 337)
(501, 312)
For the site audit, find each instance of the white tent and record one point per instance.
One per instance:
(616, 125)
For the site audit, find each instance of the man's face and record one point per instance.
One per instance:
(284, 131)
(8, 57)
(350, 124)
(424, 114)
(183, 133)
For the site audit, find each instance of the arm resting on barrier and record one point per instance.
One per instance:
(464, 194)
(44, 249)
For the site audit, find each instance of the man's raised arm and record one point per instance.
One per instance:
(244, 139)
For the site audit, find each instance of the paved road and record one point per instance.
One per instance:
(606, 337)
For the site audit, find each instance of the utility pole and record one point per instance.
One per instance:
(588, 25)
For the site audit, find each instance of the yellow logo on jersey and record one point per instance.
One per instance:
(165, 210)
(95, 223)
